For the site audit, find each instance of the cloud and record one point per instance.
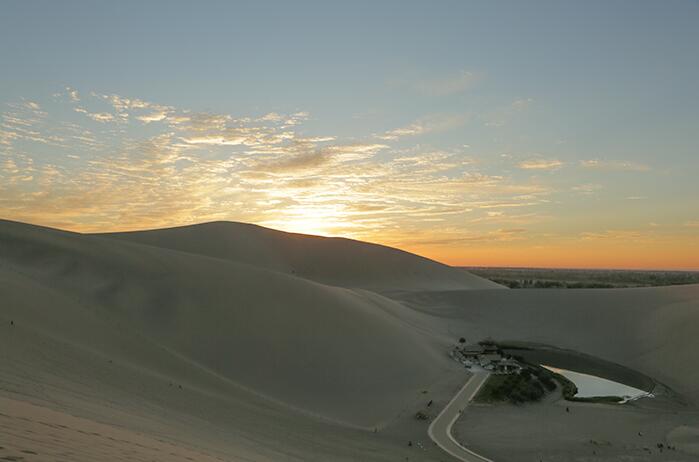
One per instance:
(432, 160)
(540, 164)
(306, 155)
(455, 237)
(294, 163)
(614, 165)
(430, 124)
(203, 121)
(101, 116)
(613, 234)
(502, 116)
(450, 85)
(587, 189)
(152, 117)
(195, 166)
(10, 166)
(73, 94)
(271, 117)
(32, 105)
(219, 140)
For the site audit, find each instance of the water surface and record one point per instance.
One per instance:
(590, 386)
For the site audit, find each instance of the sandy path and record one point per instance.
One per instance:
(440, 429)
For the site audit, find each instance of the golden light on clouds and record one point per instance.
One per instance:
(92, 162)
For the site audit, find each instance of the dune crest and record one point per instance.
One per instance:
(334, 261)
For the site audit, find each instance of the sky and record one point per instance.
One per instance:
(543, 133)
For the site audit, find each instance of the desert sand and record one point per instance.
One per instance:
(589, 432)
(226, 341)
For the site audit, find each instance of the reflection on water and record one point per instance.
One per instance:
(590, 386)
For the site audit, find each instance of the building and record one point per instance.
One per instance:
(486, 355)
(507, 366)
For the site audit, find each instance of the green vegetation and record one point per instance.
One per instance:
(531, 385)
(545, 284)
(542, 278)
(568, 388)
(599, 399)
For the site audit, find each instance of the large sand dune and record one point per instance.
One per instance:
(233, 342)
(319, 348)
(336, 261)
(215, 356)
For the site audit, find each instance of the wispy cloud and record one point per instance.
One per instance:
(615, 234)
(152, 117)
(449, 85)
(93, 161)
(430, 124)
(153, 165)
(540, 164)
(614, 165)
(587, 189)
(502, 116)
(100, 116)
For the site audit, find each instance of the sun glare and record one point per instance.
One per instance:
(319, 220)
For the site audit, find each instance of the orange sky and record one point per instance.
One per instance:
(509, 136)
(455, 205)
(682, 256)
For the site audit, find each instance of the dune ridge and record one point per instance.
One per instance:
(334, 261)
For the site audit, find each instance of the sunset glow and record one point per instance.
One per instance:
(467, 156)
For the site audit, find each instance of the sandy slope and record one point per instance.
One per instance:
(332, 351)
(266, 346)
(335, 261)
(213, 356)
(588, 433)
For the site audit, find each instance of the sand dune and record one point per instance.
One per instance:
(335, 261)
(233, 342)
(215, 356)
(320, 348)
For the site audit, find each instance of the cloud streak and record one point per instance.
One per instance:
(432, 124)
(614, 165)
(540, 164)
(449, 85)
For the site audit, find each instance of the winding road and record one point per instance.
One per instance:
(440, 429)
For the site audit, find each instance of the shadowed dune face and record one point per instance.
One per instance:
(334, 261)
(341, 354)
